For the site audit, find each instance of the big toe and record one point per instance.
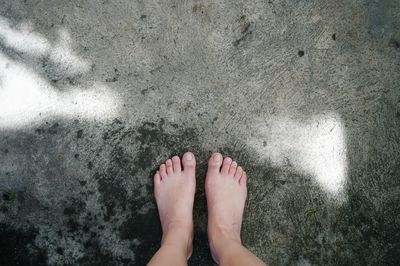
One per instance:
(214, 163)
(188, 162)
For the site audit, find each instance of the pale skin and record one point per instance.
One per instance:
(226, 192)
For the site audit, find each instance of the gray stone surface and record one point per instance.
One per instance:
(94, 95)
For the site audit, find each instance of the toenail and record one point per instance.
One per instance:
(188, 156)
(217, 157)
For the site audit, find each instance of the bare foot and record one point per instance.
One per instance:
(174, 190)
(226, 191)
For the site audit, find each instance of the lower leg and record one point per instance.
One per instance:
(229, 251)
(226, 191)
(175, 247)
(174, 190)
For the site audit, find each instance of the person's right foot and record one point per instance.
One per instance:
(226, 192)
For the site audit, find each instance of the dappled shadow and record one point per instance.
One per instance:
(41, 80)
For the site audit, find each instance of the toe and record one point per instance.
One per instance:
(170, 169)
(232, 169)
(176, 164)
(188, 162)
(226, 165)
(157, 179)
(163, 171)
(214, 163)
(243, 179)
(238, 173)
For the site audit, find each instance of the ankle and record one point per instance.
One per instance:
(223, 232)
(221, 239)
(178, 236)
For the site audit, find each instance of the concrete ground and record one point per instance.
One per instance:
(94, 95)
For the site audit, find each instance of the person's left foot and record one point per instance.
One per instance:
(174, 190)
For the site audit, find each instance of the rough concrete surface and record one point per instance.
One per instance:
(94, 95)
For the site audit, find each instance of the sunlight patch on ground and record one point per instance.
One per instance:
(314, 147)
(28, 97)
(23, 39)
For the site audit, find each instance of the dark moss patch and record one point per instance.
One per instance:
(17, 247)
(74, 207)
(69, 211)
(110, 211)
(9, 196)
(201, 251)
(362, 223)
(85, 228)
(94, 255)
(145, 227)
(73, 224)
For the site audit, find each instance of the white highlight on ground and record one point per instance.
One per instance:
(314, 147)
(26, 97)
(22, 38)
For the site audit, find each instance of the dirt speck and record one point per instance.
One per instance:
(394, 44)
(115, 76)
(198, 8)
(60, 251)
(79, 133)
